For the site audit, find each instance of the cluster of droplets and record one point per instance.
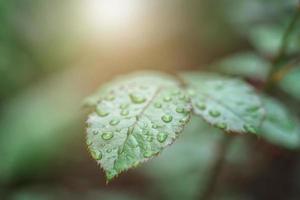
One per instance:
(201, 106)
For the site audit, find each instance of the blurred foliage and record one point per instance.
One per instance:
(290, 83)
(246, 64)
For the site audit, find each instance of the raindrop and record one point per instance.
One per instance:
(147, 154)
(180, 110)
(154, 126)
(110, 97)
(214, 113)
(137, 99)
(107, 135)
(108, 150)
(124, 112)
(161, 137)
(124, 105)
(167, 118)
(249, 128)
(149, 138)
(95, 132)
(89, 142)
(167, 99)
(157, 105)
(114, 122)
(201, 106)
(253, 109)
(222, 125)
(191, 92)
(97, 155)
(184, 120)
(101, 112)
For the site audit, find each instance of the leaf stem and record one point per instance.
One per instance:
(278, 69)
(217, 167)
(286, 35)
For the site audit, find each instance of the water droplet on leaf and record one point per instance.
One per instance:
(137, 99)
(107, 135)
(180, 110)
(167, 118)
(167, 99)
(101, 112)
(114, 122)
(110, 97)
(157, 105)
(222, 125)
(147, 154)
(249, 128)
(201, 106)
(124, 112)
(124, 105)
(97, 155)
(214, 113)
(161, 137)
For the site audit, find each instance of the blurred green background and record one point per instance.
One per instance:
(53, 53)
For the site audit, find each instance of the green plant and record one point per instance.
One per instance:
(138, 115)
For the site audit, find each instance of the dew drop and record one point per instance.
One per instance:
(249, 128)
(114, 122)
(107, 135)
(161, 137)
(184, 120)
(214, 113)
(89, 142)
(95, 132)
(154, 126)
(191, 92)
(253, 109)
(97, 155)
(180, 110)
(124, 105)
(222, 125)
(167, 118)
(157, 105)
(137, 99)
(167, 99)
(147, 154)
(110, 175)
(110, 97)
(108, 150)
(201, 106)
(149, 138)
(101, 112)
(124, 112)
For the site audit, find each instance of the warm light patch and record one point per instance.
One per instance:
(111, 14)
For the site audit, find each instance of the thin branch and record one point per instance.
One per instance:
(286, 35)
(278, 70)
(217, 167)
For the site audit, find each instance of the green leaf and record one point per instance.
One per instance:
(188, 174)
(280, 127)
(135, 121)
(149, 77)
(247, 64)
(267, 39)
(290, 83)
(229, 104)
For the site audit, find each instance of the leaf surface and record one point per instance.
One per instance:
(246, 64)
(229, 104)
(280, 127)
(135, 121)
